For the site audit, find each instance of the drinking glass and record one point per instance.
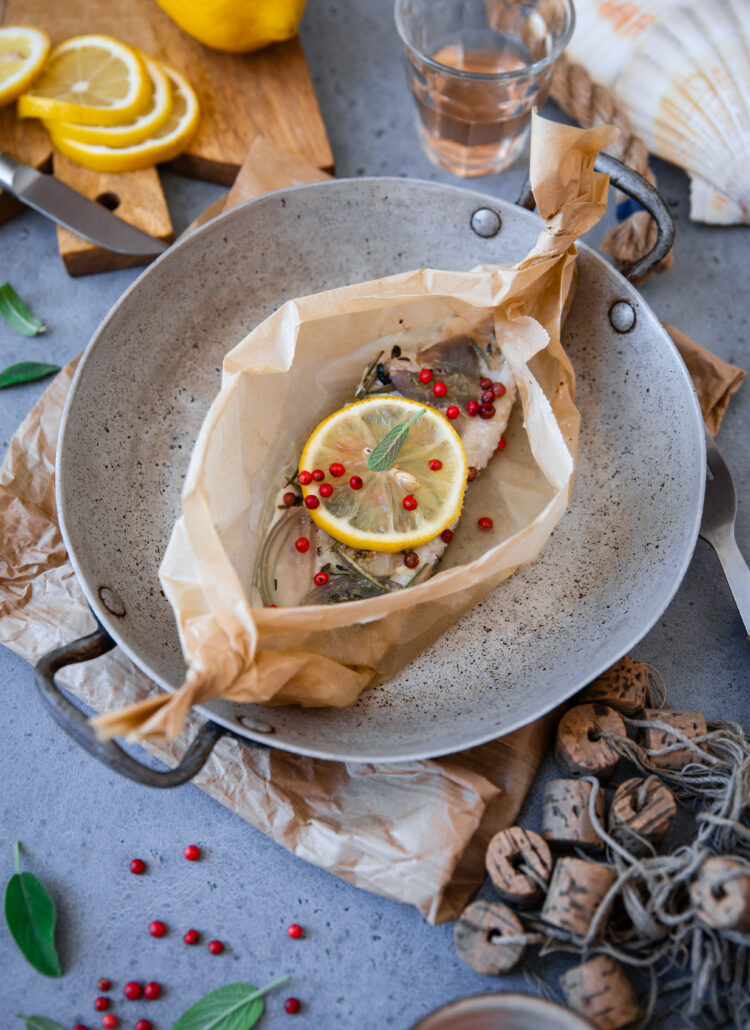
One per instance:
(476, 68)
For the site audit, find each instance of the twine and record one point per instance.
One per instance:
(591, 104)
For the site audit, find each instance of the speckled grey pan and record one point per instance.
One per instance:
(610, 569)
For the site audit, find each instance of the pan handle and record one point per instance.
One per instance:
(633, 185)
(76, 724)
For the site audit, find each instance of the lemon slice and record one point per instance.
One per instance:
(162, 145)
(134, 130)
(94, 80)
(23, 51)
(373, 516)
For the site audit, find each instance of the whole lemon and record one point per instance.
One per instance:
(236, 25)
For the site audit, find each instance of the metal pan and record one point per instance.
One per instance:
(153, 367)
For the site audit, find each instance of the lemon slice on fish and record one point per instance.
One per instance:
(392, 501)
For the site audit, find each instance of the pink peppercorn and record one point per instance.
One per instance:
(499, 389)
(486, 410)
(144, 1024)
(325, 490)
(137, 866)
(425, 376)
(318, 475)
(292, 1005)
(355, 483)
(157, 928)
(312, 502)
(302, 544)
(192, 853)
(336, 469)
(133, 990)
(103, 984)
(80, 1026)
(485, 522)
(305, 478)
(289, 499)
(215, 947)
(191, 937)
(440, 389)
(485, 383)
(101, 1004)
(472, 409)
(435, 465)
(502, 443)
(410, 502)
(110, 1022)
(452, 411)
(294, 931)
(321, 578)
(446, 536)
(152, 991)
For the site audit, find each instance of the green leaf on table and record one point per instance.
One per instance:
(41, 1023)
(30, 915)
(234, 1007)
(26, 372)
(17, 314)
(384, 454)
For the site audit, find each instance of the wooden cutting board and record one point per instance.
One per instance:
(269, 93)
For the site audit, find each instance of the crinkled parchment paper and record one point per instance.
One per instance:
(315, 348)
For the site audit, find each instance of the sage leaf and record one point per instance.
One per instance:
(40, 1023)
(26, 372)
(384, 454)
(17, 314)
(30, 915)
(234, 1007)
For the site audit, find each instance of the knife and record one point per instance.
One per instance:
(66, 206)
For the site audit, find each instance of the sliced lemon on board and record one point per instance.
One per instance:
(162, 145)
(93, 80)
(373, 517)
(134, 130)
(23, 51)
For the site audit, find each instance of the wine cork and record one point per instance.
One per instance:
(600, 990)
(575, 893)
(519, 863)
(478, 933)
(623, 687)
(721, 894)
(580, 748)
(691, 724)
(565, 814)
(640, 813)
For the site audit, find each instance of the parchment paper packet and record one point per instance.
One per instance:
(315, 348)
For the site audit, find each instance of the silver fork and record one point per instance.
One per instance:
(717, 528)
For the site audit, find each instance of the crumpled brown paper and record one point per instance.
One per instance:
(422, 844)
(316, 347)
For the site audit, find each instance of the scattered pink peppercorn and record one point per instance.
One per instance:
(435, 465)
(425, 376)
(485, 383)
(144, 1024)
(272, 606)
(452, 411)
(137, 866)
(133, 990)
(446, 536)
(191, 937)
(103, 984)
(110, 1022)
(152, 991)
(499, 389)
(80, 1026)
(485, 522)
(486, 410)
(355, 483)
(305, 478)
(289, 498)
(487, 397)
(336, 469)
(192, 853)
(440, 389)
(312, 502)
(502, 443)
(101, 1004)
(472, 409)
(215, 947)
(410, 502)
(302, 544)
(292, 1005)
(157, 928)
(471, 474)
(321, 578)
(325, 490)
(318, 475)
(294, 931)
(411, 560)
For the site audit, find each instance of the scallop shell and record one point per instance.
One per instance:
(682, 72)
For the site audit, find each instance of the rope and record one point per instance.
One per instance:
(591, 104)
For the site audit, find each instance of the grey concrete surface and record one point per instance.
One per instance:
(364, 962)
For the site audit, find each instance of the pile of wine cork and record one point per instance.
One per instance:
(563, 875)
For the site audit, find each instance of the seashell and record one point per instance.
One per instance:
(682, 72)
(686, 86)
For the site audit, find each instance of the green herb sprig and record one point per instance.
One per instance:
(17, 314)
(234, 1007)
(30, 915)
(384, 454)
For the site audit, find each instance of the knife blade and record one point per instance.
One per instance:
(66, 206)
